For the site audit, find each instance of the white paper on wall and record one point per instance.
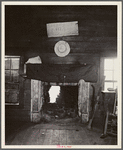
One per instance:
(62, 29)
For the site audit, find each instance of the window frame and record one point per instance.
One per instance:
(113, 81)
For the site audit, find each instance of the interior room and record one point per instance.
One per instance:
(61, 75)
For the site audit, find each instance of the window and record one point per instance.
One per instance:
(110, 73)
(12, 69)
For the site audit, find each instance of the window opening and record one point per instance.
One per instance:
(12, 66)
(110, 73)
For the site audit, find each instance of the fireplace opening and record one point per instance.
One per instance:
(54, 92)
(62, 103)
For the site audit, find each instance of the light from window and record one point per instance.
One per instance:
(110, 73)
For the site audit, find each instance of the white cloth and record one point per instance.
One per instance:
(34, 60)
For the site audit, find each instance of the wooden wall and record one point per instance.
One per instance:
(26, 29)
(16, 113)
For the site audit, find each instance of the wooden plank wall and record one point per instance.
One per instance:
(69, 59)
(16, 113)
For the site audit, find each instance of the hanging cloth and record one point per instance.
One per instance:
(61, 73)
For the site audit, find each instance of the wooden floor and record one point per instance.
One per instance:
(58, 134)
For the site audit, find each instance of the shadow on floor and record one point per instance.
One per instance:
(12, 128)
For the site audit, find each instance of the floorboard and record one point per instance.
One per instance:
(58, 134)
(31, 137)
(63, 137)
(55, 137)
(48, 137)
(70, 137)
(41, 136)
(80, 137)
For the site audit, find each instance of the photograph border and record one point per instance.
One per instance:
(119, 55)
